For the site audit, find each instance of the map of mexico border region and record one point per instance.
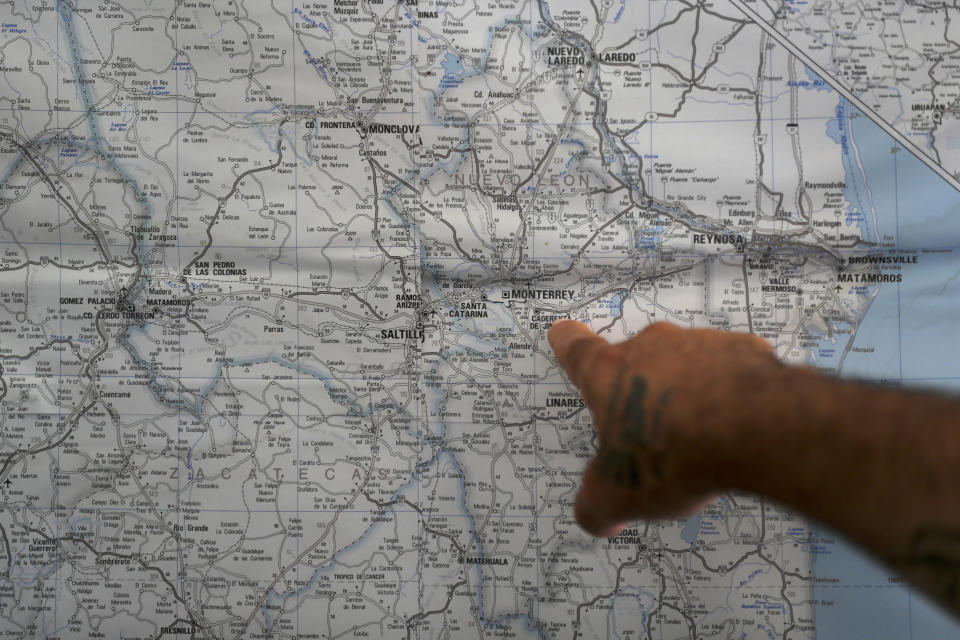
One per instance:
(276, 279)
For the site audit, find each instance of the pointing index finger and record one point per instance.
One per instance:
(574, 344)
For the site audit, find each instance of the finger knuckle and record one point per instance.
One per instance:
(660, 328)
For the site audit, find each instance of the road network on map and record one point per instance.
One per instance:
(276, 281)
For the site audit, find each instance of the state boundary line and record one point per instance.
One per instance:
(757, 19)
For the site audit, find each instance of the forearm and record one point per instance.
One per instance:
(878, 464)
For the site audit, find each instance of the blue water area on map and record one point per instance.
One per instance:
(910, 330)
(929, 312)
(912, 204)
(691, 530)
(907, 334)
(829, 352)
(614, 303)
(910, 326)
(816, 82)
(864, 603)
(857, 194)
(619, 15)
(452, 71)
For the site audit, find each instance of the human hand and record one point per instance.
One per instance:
(666, 404)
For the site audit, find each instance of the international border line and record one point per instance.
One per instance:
(757, 19)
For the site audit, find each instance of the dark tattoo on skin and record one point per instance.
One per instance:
(618, 460)
(619, 466)
(633, 416)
